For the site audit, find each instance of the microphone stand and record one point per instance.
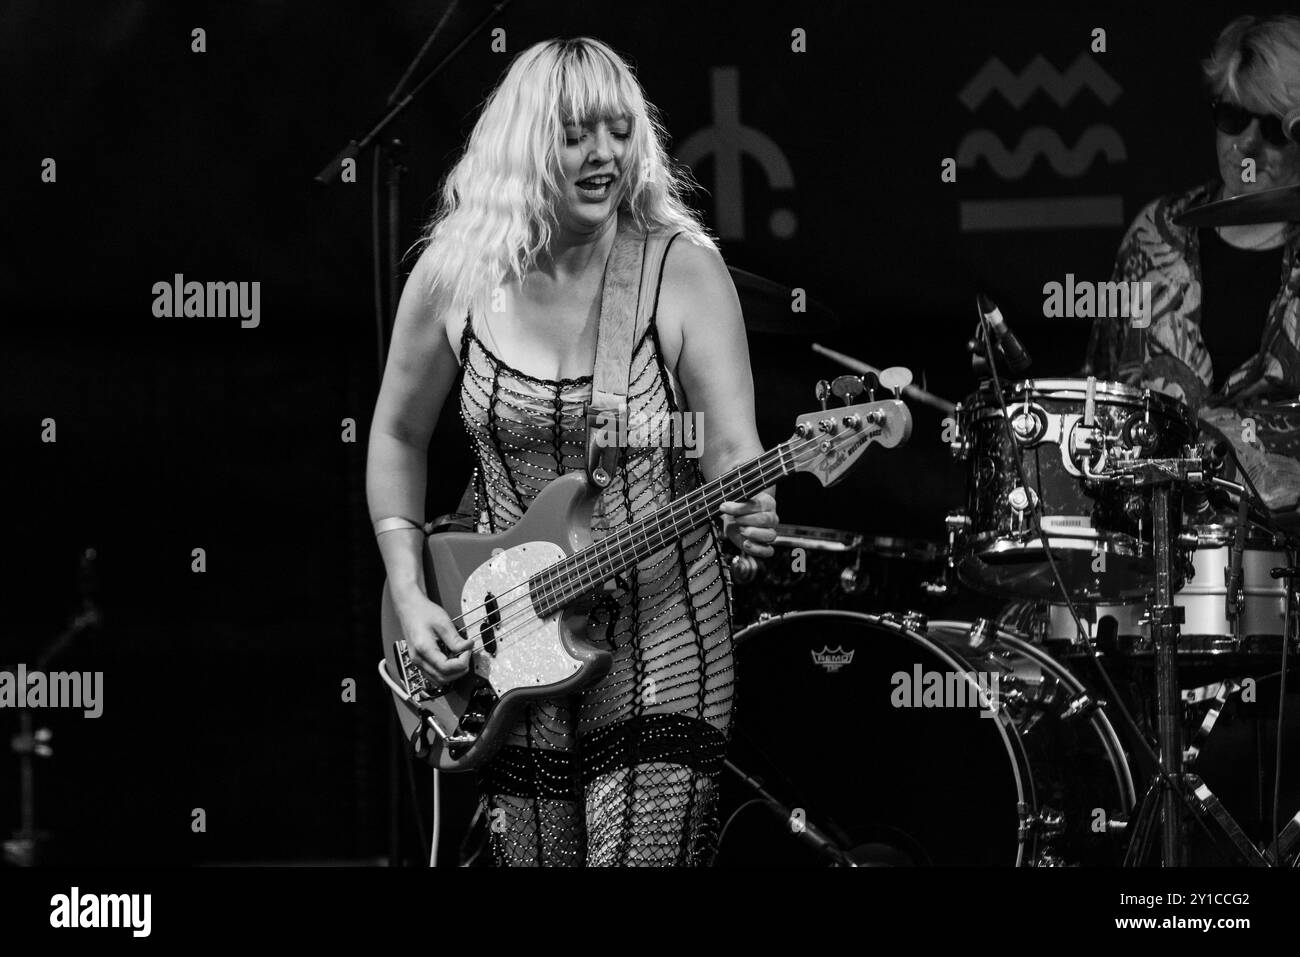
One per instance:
(386, 163)
(31, 742)
(386, 195)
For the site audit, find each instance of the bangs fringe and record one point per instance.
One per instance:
(497, 206)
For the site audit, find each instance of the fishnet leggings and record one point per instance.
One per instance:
(625, 773)
(650, 814)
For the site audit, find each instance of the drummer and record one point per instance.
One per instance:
(1223, 331)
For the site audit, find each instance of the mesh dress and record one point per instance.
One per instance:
(624, 773)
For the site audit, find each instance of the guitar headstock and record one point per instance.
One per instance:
(829, 441)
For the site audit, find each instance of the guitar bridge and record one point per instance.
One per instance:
(418, 684)
(421, 692)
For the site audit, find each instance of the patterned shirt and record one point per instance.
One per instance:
(1164, 350)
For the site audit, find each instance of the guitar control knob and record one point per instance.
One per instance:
(744, 569)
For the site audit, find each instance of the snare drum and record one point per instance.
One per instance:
(1099, 533)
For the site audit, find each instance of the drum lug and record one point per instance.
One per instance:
(912, 620)
(1022, 500)
(852, 581)
(916, 621)
(960, 444)
(1046, 823)
(981, 630)
(1081, 706)
(1029, 422)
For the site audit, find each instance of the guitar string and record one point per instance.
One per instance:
(509, 627)
(596, 571)
(673, 516)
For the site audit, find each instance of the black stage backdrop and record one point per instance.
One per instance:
(821, 169)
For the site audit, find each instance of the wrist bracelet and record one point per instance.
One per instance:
(394, 523)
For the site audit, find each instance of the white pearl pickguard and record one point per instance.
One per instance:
(529, 651)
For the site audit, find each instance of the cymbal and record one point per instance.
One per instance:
(1266, 206)
(766, 305)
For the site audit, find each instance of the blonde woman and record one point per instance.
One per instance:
(507, 294)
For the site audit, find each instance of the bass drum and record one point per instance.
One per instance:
(917, 745)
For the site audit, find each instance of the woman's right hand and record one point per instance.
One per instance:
(431, 637)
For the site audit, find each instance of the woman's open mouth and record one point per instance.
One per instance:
(595, 187)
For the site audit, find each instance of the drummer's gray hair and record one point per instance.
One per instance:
(1256, 63)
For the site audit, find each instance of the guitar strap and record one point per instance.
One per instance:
(627, 300)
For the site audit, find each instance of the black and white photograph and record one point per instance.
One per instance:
(850, 448)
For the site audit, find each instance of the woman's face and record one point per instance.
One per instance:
(1274, 165)
(591, 171)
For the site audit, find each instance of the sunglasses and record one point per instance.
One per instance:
(1232, 119)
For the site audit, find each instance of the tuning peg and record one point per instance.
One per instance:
(872, 383)
(896, 379)
(823, 392)
(848, 388)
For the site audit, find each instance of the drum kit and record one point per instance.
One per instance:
(1124, 693)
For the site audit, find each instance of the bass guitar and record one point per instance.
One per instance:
(515, 593)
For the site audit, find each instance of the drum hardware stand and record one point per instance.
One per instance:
(1282, 848)
(28, 744)
(1282, 845)
(956, 523)
(31, 742)
(805, 830)
(1233, 579)
(1173, 789)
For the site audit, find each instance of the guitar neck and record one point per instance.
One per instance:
(578, 574)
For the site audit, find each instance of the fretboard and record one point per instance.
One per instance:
(559, 585)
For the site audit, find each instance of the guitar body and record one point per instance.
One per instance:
(521, 657)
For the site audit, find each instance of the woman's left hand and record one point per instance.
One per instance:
(751, 525)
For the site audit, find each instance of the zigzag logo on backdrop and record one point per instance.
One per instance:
(1010, 164)
(726, 141)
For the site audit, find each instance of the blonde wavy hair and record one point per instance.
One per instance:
(498, 204)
